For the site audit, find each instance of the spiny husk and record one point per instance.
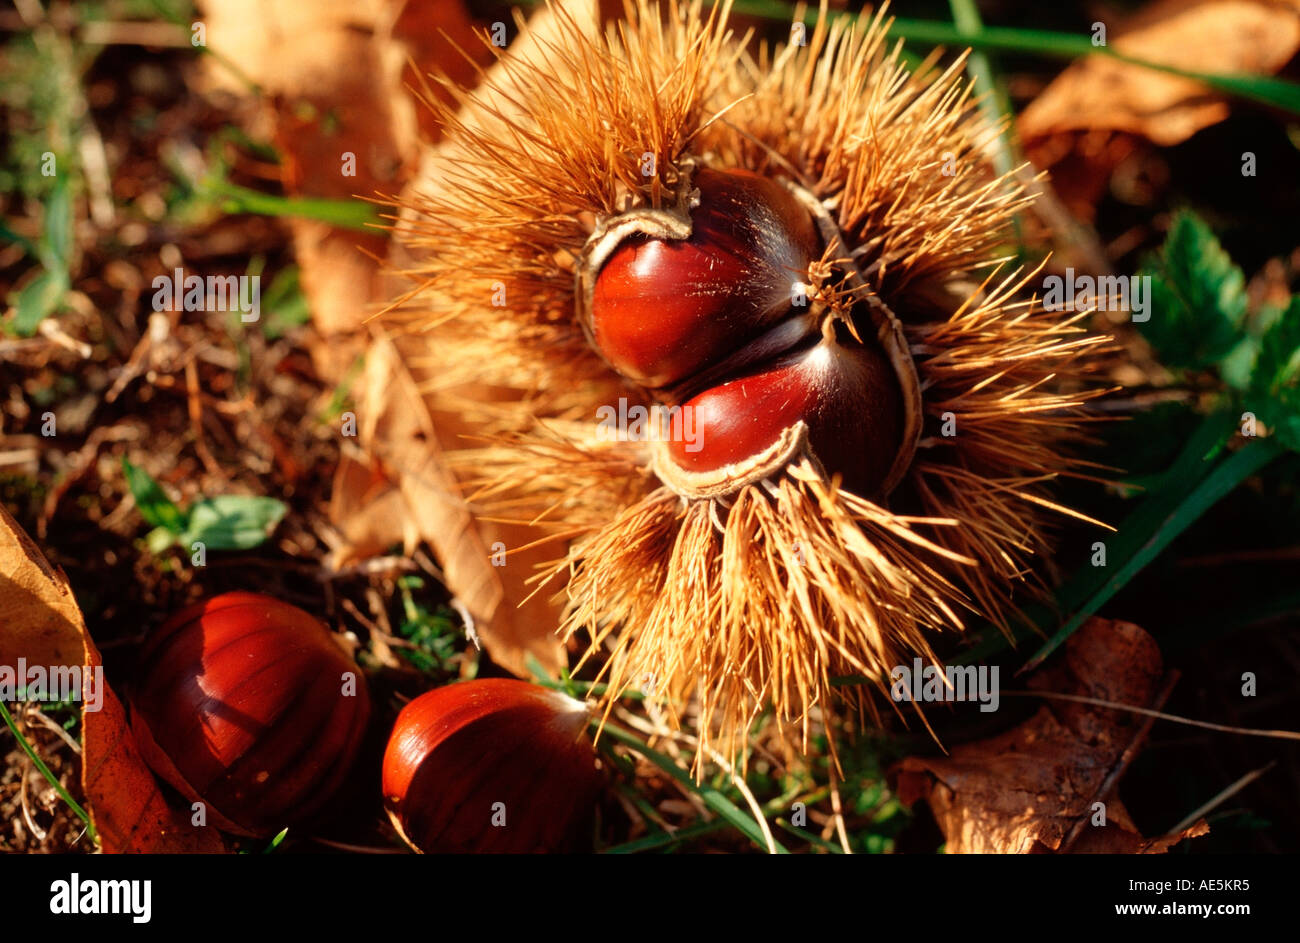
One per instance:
(762, 597)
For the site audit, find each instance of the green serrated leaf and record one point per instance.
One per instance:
(1274, 394)
(155, 507)
(232, 521)
(39, 299)
(1278, 365)
(1198, 297)
(1238, 364)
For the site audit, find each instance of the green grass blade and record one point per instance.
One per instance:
(1222, 480)
(994, 102)
(1192, 465)
(665, 840)
(1164, 494)
(29, 247)
(1262, 89)
(49, 776)
(349, 214)
(814, 840)
(711, 797)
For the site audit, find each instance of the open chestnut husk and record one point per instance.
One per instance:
(583, 257)
(491, 766)
(249, 705)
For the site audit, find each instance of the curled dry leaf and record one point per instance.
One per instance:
(401, 437)
(337, 76)
(1222, 36)
(412, 495)
(368, 512)
(1025, 790)
(40, 622)
(1101, 115)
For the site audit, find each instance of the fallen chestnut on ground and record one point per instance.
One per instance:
(491, 766)
(249, 705)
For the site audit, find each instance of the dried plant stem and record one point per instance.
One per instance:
(33, 711)
(1222, 797)
(1158, 715)
(837, 807)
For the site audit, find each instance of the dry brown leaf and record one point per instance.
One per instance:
(401, 440)
(40, 622)
(337, 76)
(39, 619)
(405, 493)
(1098, 93)
(405, 439)
(353, 62)
(368, 511)
(1024, 790)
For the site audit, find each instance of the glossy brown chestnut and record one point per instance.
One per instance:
(248, 705)
(491, 766)
(663, 309)
(844, 393)
(716, 309)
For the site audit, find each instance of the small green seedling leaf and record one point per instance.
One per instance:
(285, 305)
(42, 296)
(155, 507)
(232, 521)
(433, 634)
(159, 539)
(56, 241)
(39, 299)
